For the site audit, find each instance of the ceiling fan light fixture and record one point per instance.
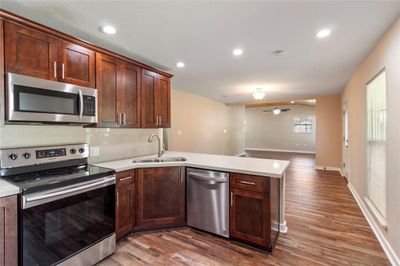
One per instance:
(276, 111)
(259, 94)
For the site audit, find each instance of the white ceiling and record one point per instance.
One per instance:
(203, 34)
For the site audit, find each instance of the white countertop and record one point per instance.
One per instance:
(244, 165)
(7, 189)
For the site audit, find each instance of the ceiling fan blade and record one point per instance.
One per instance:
(267, 111)
(285, 110)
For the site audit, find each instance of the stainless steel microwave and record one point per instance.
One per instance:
(34, 100)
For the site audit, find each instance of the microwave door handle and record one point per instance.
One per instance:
(80, 104)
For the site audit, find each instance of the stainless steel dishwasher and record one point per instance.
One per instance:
(208, 200)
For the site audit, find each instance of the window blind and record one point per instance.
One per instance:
(376, 148)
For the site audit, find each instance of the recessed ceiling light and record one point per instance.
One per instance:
(323, 33)
(180, 64)
(237, 52)
(108, 29)
(279, 52)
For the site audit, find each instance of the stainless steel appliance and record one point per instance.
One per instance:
(34, 100)
(208, 200)
(67, 207)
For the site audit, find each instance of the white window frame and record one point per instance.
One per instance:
(374, 137)
(303, 117)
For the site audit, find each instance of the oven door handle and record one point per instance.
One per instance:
(39, 198)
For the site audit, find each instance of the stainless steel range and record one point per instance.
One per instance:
(67, 207)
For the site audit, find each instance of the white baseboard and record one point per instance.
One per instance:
(329, 168)
(393, 258)
(240, 154)
(278, 150)
(283, 228)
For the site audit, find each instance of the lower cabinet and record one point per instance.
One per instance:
(254, 210)
(160, 198)
(125, 202)
(8, 231)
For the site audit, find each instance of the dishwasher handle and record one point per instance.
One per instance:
(207, 179)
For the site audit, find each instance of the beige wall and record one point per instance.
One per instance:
(114, 144)
(275, 132)
(385, 55)
(203, 125)
(236, 130)
(328, 145)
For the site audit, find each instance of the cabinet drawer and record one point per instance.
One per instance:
(249, 182)
(125, 177)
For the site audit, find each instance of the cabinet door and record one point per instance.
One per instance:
(161, 198)
(77, 64)
(150, 83)
(163, 102)
(8, 231)
(249, 217)
(107, 82)
(129, 95)
(125, 198)
(30, 52)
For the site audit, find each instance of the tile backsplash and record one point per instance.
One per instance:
(113, 144)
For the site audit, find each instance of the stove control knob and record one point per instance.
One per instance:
(81, 150)
(26, 155)
(72, 151)
(13, 156)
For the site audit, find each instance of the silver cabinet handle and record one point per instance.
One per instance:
(247, 183)
(117, 199)
(125, 178)
(231, 198)
(124, 118)
(62, 68)
(80, 104)
(55, 69)
(157, 120)
(160, 120)
(119, 119)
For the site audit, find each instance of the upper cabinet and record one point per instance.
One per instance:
(34, 53)
(156, 108)
(130, 94)
(77, 64)
(30, 52)
(118, 85)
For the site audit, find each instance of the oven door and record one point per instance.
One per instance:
(57, 225)
(44, 101)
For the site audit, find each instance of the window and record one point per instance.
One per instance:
(303, 124)
(376, 146)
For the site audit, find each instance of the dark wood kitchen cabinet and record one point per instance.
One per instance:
(156, 109)
(118, 85)
(125, 203)
(30, 52)
(35, 53)
(77, 64)
(8, 231)
(160, 198)
(254, 210)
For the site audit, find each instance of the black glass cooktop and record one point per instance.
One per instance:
(57, 177)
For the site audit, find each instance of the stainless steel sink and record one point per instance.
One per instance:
(160, 160)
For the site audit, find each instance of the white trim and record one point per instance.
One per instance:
(283, 228)
(393, 258)
(240, 154)
(376, 213)
(329, 168)
(278, 150)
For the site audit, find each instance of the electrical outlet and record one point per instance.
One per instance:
(94, 151)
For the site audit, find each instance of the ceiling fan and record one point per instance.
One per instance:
(277, 110)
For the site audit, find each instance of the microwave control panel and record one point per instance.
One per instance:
(89, 105)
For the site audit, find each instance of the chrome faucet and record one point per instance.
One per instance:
(161, 149)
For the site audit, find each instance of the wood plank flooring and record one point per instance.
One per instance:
(326, 227)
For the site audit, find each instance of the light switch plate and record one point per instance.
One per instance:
(94, 151)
